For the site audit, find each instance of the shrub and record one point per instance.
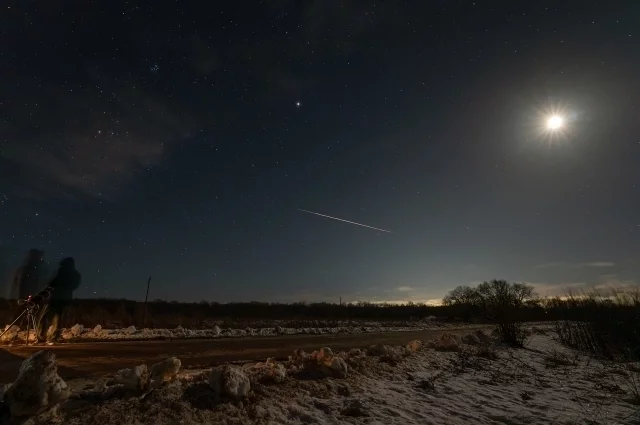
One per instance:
(604, 324)
(502, 303)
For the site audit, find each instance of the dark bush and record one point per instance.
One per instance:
(604, 324)
(503, 303)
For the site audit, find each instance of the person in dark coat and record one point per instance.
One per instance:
(26, 279)
(66, 281)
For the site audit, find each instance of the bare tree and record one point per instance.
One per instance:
(464, 295)
(502, 302)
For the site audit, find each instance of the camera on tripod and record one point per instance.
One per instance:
(32, 305)
(41, 298)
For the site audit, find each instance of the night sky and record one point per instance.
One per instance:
(182, 140)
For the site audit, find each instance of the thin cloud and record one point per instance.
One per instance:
(599, 264)
(555, 289)
(566, 265)
(606, 283)
(427, 301)
(404, 288)
(87, 146)
(551, 265)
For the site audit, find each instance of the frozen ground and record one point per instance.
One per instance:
(441, 382)
(80, 333)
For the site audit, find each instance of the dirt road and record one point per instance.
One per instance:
(102, 358)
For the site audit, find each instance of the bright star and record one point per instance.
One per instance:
(298, 104)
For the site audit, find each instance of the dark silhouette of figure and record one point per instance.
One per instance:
(66, 281)
(26, 279)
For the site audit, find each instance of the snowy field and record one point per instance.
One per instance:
(452, 380)
(80, 333)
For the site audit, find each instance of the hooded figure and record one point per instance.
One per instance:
(66, 280)
(26, 279)
(64, 283)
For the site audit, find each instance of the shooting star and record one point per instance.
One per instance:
(346, 221)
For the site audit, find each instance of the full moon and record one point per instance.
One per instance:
(555, 122)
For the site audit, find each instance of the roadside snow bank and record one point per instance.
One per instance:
(428, 386)
(80, 333)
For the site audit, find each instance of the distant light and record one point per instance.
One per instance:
(555, 122)
(298, 104)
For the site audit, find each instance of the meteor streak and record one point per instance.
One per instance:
(346, 221)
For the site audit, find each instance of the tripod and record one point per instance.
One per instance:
(29, 313)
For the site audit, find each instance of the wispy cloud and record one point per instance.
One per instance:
(604, 283)
(404, 288)
(96, 145)
(553, 289)
(427, 301)
(599, 264)
(566, 265)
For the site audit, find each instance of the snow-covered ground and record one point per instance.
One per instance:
(79, 333)
(427, 382)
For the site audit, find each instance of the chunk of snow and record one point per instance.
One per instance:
(379, 350)
(271, 371)
(38, 386)
(355, 352)
(339, 367)
(322, 363)
(429, 344)
(471, 339)
(446, 342)
(414, 345)
(298, 356)
(165, 371)
(76, 330)
(134, 379)
(130, 330)
(230, 381)
(97, 330)
(482, 336)
(278, 372)
(325, 352)
(11, 333)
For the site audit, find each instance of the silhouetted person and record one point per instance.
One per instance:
(66, 281)
(26, 279)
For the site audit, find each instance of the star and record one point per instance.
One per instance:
(298, 104)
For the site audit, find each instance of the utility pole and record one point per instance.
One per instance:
(340, 301)
(146, 297)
